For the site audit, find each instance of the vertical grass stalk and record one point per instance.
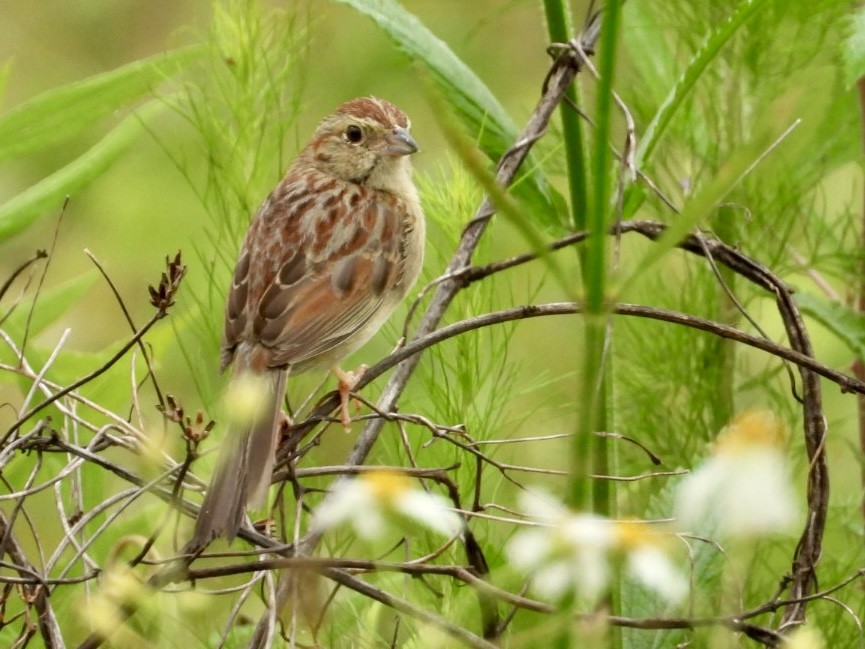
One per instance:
(560, 30)
(590, 451)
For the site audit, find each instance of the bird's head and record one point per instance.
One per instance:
(364, 141)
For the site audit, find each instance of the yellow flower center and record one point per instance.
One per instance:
(635, 533)
(753, 428)
(387, 486)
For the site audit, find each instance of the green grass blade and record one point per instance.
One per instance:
(589, 451)
(707, 199)
(48, 194)
(701, 59)
(61, 113)
(560, 30)
(469, 97)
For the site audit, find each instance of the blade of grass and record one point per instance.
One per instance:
(61, 113)
(590, 450)
(467, 95)
(699, 207)
(704, 55)
(589, 455)
(25, 208)
(560, 30)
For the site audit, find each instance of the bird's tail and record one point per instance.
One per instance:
(245, 466)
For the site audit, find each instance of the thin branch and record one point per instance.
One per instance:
(35, 594)
(128, 316)
(40, 254)
(84, 379)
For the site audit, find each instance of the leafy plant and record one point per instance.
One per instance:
(589, 345)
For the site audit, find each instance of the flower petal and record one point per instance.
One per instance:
(653, 568)
(348, 501)
(541, 506)
(529, 548)
(431, 510)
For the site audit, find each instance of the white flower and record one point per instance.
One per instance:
(648, 563)
(743, 488)
(804, 637)
(569, 552)
(568, 556)
(376, 498)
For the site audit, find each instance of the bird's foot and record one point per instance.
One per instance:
(347, 383)
(283, 427)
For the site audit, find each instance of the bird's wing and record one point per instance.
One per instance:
(315, 268)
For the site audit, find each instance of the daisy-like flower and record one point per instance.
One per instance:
(804, 637)
(376, 501)
(569, 552)
(647, 560)
(743, 488)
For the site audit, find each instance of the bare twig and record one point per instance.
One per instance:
(36, 592)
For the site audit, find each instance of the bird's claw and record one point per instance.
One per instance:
(347, 382)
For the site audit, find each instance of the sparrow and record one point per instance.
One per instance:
(329, 255)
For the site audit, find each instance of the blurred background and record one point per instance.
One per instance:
(157, 198)
(143, 208)
(150, 202)
(798, 211)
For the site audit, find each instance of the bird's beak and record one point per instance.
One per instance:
(400, 143)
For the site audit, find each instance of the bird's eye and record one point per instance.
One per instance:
(354, 134)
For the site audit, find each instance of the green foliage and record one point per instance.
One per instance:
(20, 211)
(62, 113)
(560, 29)
(471, 100)
(715, 41)
(468, 379)
(848, 325)
(241, 103)
(57, 115)
(854, 48)
(711, 86)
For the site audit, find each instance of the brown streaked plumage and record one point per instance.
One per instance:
(329, 255)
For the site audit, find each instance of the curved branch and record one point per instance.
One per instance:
(800, 353)
(331, 402)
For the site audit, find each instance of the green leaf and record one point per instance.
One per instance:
(50, 305)
(853, 51)
(848, 325)
(49, 193)
(466, 94)
(61, 113)
(704, 55)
